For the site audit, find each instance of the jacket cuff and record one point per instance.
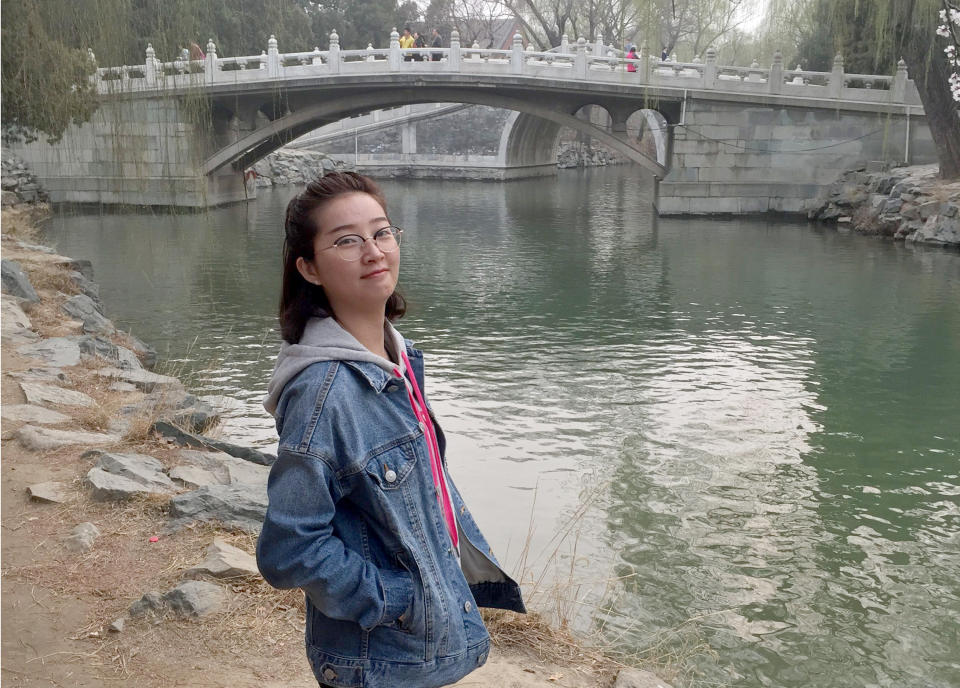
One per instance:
(397, 594)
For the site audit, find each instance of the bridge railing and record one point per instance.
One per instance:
(571, 61)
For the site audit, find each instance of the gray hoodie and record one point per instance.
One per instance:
(323, 340)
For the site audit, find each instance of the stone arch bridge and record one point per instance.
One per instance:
(731, 139)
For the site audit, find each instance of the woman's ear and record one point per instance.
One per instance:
(308, 271)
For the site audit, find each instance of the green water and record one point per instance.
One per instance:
(749, 429)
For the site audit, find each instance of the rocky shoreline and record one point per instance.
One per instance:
(909, 204)
(105, 458)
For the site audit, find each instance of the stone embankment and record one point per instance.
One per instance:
(136, 528)
(908, 204)
(289, 166)
(19, 184)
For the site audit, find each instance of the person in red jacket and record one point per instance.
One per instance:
(632, 55)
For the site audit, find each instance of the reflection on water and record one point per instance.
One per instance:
(771, 411)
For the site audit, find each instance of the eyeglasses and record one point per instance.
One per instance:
(350, 246)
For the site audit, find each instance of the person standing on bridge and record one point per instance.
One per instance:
(363, 513)
(406, 42)
(419, 42)
(437, 42)
(632, 55)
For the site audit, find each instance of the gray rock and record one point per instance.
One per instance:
(85, 310)
(107, 487)
(40, 375)
(87, 287)
(239, 506)
(143, 379)
(32, 414)
(14, 318)
(893, 205)
(140, 468)
(195, 598)
(15, 282)
(186, 439)
(100, 347)
(949, 210)
(38, 393)
(910, 212)
(59, 352)
(48, 439)
(637, 678)
(225, 561)
(929, 208)
(122, 387)
(150, 602)
(245, 473)
(146, 353)
(51, 491)
(8, 198)
(211, 461)
(194, 477)
(83, 537)
(117, 626)
(939, 231)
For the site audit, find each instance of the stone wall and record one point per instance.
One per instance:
(20, 184)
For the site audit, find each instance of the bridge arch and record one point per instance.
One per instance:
(531, 140)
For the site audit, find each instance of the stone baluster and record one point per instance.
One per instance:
(564, 44)
(263, 59)
(580, 61)
(516, 57)
(333, 57)
(394, 50)
(316, 58)
(273, 57)
(775, 82)
(453, 64)
(798, 76)
(900, 82)
(835, 87)
(710, 69)
(529, 50)
(598, 47)
(475, 52)
(370, 56)
(210, 63)
(150, 66)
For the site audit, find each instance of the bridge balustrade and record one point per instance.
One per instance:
(577, 61)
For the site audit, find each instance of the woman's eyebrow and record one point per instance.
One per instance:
(353, 226)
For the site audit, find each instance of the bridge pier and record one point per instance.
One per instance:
(728, 158)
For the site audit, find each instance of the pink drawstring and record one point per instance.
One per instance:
(433, 449)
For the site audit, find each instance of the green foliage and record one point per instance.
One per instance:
(848, 28)
(45, 84)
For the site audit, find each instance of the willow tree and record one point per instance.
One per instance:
(895, 29)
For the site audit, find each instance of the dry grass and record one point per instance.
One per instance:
(22, 222)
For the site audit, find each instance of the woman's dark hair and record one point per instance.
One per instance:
(299, 299)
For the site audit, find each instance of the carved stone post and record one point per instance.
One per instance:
(775, 82)
(580, 61)
(316, 57)
(598, 47)
(370, 56)
(333, 57)
(900, 82)
(273, 57)
(210, 64)
(394, 58)
(564, 44)
(836, 77)
(710, 69)
(453, 65)
(516, 57)
(150, 66)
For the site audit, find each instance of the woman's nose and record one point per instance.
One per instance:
(371, 251)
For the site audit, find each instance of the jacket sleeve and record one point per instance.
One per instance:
(297, 548)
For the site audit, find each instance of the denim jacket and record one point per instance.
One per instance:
(353, 520)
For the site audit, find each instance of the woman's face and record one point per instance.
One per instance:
(360, 286)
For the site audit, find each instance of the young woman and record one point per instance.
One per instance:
(363, 514)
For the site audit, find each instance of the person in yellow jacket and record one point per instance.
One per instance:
(407, 41)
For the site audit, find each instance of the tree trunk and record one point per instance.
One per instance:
(931, 74)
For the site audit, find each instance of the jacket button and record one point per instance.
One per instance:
(329, 674)
(390, 476)
(467, 607)
(423, 428)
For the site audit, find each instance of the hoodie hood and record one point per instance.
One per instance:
(323, 340)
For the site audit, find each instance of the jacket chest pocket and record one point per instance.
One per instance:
(391, 467)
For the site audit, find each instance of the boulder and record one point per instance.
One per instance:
(15, 282)
(59, 352)
(195, 598)
(186, 439)
(211, 461)
(87, 287)
(140, 468)
(238, 506)
(82, 537)
(938, 230)
(142, 379)
(83, 308)
(14, 318)
(48, 439)
(38, 393)
(637, 678)
(52, 492)
(242, 472)
(225, 561)
(107, 487)
(99, 347)
(194, 477)
(28, 413)
(40, 375)
(150, 602)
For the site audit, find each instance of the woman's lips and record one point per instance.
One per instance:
(375, 273)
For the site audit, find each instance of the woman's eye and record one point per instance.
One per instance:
(383, 233)
(348, 241)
